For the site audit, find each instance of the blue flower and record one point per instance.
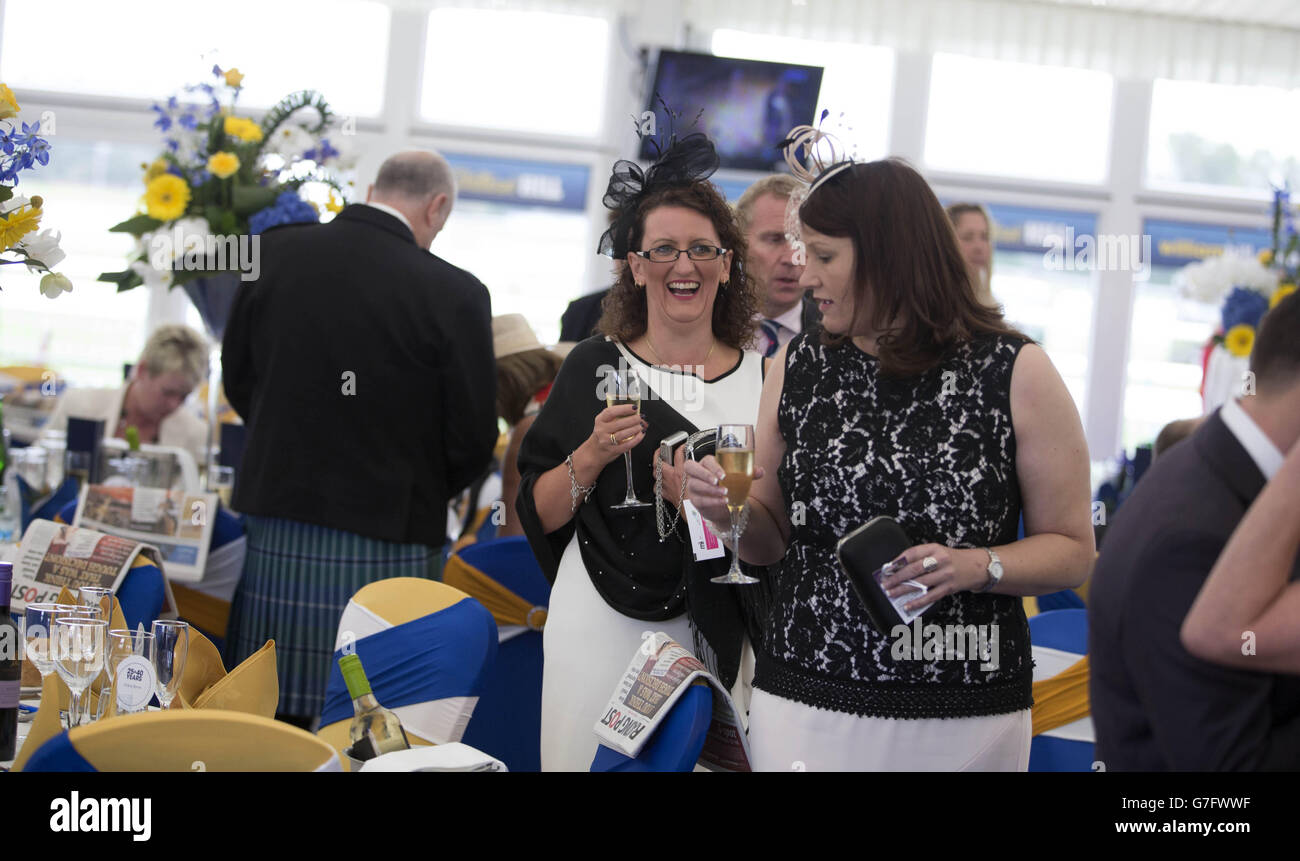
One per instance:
(175, 171)
(173, 144)
(1243, 306)
(188, 121)
(289, 208)
(216, 70)
(172, 103)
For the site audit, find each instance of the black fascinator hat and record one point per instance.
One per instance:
(678, 162)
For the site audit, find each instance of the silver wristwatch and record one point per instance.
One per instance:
(994, 570)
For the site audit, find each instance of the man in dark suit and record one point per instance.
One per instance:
(786, 308)
(1155, 707)
(578, 322)
(362, 365)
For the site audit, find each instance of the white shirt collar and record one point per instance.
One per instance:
(383, 207)
(792, 319)
(1267, 456)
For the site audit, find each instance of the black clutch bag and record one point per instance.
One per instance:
(866, 554)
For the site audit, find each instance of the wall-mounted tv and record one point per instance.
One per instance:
(748, 105)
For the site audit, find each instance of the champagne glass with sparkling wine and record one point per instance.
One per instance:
(735, 454)
(624, 387)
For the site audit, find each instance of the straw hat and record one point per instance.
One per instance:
(511, 334)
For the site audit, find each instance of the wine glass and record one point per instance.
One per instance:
(734, 451)
(122, 644)
(38, 625)
(171, 647)
(93, 596)
(623, 386)
(78, 647)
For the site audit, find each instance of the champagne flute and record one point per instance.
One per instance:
(171, 648)
(78, 646)
(624, 387)
(734, 451)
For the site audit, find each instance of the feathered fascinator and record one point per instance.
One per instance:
(814, 156)
(679, 162)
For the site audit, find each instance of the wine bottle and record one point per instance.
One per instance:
(375, 730)
(11, 668)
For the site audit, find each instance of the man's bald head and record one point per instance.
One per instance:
(419, 184)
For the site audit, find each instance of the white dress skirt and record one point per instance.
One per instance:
(588, 644)
(785, 735)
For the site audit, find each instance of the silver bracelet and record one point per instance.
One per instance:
(575, 489)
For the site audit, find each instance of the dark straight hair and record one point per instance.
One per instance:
(911, 282)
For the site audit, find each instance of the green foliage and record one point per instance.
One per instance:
(293, 102)
(124, 280)
(136, 225)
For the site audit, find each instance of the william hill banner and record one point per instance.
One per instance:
(522, 183)
(1177, 243)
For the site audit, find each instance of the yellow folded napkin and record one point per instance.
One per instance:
(251, 687)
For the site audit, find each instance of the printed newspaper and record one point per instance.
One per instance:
(659, 674)
(175, 522)
(54, 555)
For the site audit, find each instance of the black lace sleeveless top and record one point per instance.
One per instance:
(937, 453)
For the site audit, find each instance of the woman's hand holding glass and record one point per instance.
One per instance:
(705, 491)
(616, 430)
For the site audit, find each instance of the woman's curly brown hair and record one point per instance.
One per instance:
(623, 311)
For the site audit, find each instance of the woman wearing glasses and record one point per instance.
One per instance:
(676, 324)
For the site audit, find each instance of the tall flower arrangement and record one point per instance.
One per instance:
(22, 241)
(222, 174)
(1247, 288)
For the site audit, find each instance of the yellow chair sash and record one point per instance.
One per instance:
(506, 607)
(198, 608)
(1061, 699)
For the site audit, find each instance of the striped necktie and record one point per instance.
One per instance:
(770, 329)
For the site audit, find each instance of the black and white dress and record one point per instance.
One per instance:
(613, 579)
(937, 453)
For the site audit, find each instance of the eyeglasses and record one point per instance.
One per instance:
(669, 254)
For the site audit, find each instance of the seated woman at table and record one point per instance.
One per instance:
(173, 364)
(919, 403)
(679, 317)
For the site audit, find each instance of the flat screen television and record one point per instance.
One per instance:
(748, 106)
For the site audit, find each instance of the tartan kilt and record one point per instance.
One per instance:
(298, 578)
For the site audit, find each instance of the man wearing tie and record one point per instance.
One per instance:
(362, 365)
(786, 310)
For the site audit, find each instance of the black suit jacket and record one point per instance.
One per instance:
(363, 367)
(1155, 706)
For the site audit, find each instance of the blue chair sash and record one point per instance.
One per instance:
(398, 661)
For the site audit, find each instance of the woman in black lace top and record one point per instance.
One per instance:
(919, 403)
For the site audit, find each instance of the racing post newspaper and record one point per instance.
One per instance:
(660, 673)
(54, 555)
(178, 524)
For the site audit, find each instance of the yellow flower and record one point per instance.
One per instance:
(166, 197)
(244, 129)
(335, 203)
(1282, 291)
(155, 170)
(18, 224)
(8, 103)
(1240, 339)
(233, 78)
(1266, 257)
(223, 164)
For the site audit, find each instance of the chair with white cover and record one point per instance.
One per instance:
(1064, 739)
(426, 649)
